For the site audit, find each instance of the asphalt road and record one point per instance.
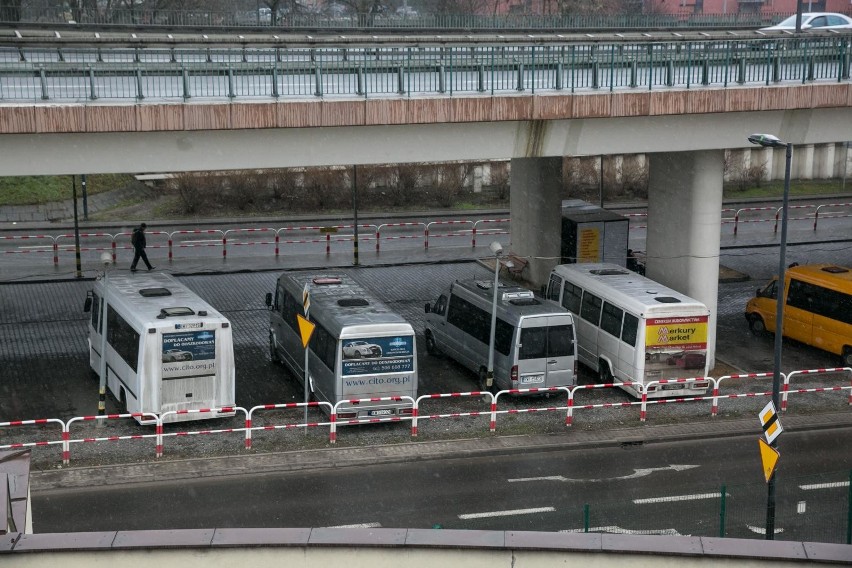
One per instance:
(658, 488)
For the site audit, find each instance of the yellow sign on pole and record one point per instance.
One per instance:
(769, 457)
(306, 329)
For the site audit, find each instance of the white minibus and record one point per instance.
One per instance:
(359, 349)
(632, 329)
(534, 342)
(166, 348)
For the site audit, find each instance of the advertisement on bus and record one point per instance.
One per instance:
(375, 355)
(189, 353)
(679, 343)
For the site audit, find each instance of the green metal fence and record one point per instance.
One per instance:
(79, 74)
(815, 508)
(258, 18)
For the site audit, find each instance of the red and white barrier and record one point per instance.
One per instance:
(527, 391)
(66, 454)
(40, 443)
(717, 389)
(830, 216)
(259, 232)
(421, 234)
(811, 372)
(481, 227)
(690, 382)
(452, 233)
(288, 405)
(372, 420)
(34, 248)
(488, 399)
(492, 412)
(569, 419)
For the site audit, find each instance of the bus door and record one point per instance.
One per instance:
(546, 352)
(798, 313)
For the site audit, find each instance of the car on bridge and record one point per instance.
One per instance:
(814, 21)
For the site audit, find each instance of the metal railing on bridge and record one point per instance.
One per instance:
(81, 74)
(264, 18)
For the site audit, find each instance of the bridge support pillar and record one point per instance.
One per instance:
(824, 161)
(535, 207)
(803, 161)
(684, 218)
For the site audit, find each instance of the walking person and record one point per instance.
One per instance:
(137, 239)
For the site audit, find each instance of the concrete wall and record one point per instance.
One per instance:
(412, 548)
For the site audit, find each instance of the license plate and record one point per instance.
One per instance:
(382, 412)
(532, 379)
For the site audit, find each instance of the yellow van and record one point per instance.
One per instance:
(818, 311)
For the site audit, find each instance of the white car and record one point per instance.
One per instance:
(814, 21)
(358, 349)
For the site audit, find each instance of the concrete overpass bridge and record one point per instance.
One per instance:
(153, 107)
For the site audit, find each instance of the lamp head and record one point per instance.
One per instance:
(766, 140)
(496, 248)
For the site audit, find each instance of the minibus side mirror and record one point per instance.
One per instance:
(269, 299)
(87, 307)
(428, 308)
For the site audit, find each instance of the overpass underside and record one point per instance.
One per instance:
(683, 131)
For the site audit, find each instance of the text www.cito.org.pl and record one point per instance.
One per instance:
(186, 366)
(374, 381)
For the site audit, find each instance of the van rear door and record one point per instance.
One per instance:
(546, 351)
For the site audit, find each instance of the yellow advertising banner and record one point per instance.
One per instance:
(688, 332)
(589, 249)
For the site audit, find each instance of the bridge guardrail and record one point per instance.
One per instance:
(78, 74)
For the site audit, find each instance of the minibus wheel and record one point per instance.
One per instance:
(756, 325)
(847, 356)
(431, 347)
(482, 379)
(604, 372)
(273, 352)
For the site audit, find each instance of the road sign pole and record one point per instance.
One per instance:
(306, 303)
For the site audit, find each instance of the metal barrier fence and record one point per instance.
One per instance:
(84, 74)
(276, 241)
(154, 18)
(490, 408)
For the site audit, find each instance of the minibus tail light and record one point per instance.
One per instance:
(347, 415)
(406, 411)
(514, 374)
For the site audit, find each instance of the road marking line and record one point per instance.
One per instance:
(824, 485)
(357, 526)
(507, 513)
(636, 473)
(613, 529)
(673, 498)
(762, 530)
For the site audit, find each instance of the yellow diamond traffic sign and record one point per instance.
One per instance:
(769, 457)
(306, 329)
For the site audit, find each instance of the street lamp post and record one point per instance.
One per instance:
(497, 249)
(770, 141)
